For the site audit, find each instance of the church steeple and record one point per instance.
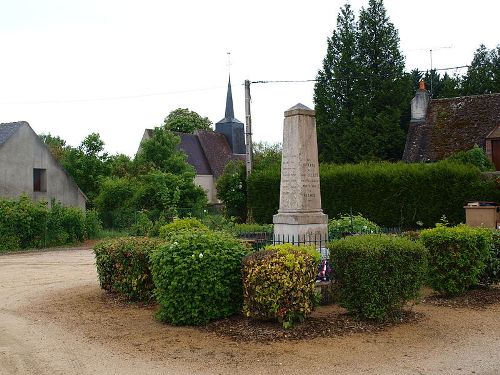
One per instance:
(229, 102)
(230, 126)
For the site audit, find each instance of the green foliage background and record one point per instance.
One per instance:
(389, 194)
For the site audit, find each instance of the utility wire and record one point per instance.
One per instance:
(109, 98)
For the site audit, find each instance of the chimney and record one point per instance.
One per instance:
(420, 103)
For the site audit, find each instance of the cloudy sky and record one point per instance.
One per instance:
(116, 67)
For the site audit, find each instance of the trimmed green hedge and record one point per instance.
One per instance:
(197, 277)
(25, 224)
(279, 283)
(389, 194)
(123, 266)
(375, 275)
(457, 257)
(491, 272)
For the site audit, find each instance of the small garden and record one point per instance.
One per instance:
(209, 277)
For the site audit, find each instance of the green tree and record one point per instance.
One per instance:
(56, 145)
(383, 85)
(183, 120)
(482, 76)
(266, 155)
(161, 152)
(87, 164)
(232, 190)
(334, 92)
(362, 93)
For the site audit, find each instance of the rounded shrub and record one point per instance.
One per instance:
(457, 257)
(351, 224)
(123, 266)
(279, 283)
(375, 275)
(491, 272)
(190, 223)
(197, 276)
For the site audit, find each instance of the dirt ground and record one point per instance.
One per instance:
(54, 319)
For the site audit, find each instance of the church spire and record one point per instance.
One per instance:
(229, 102)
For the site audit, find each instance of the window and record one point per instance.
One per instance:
(39, 179)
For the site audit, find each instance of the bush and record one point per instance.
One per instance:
(390, 194)
(457, 257)
(475, 156)
(491, 272)
(143, 225)
(231, 190)
(376, 275)
(93, 224)
(350, 224)
(279, 283)
(198, 277)
(25, 224)
(123, 266)
(179, 225)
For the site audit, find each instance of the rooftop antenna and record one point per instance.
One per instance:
(229, 62)
(430, 53)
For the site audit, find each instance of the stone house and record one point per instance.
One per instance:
(441, 127)
(27, 167)
(209, 151)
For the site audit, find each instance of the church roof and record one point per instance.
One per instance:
(451, 125)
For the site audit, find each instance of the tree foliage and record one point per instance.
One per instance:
(161, 152)
(362, 95)
(183, 120)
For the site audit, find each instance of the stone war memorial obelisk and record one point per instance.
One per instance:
(300, 219)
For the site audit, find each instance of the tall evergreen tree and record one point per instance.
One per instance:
(479, 78)
(334, 94)
(362, 93)
(383, 84)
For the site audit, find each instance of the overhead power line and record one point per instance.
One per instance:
(110, 98)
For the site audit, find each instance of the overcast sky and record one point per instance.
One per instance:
(116, 67)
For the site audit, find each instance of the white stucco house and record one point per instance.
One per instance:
(27, 167)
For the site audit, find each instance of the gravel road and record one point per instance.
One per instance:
(54, 319)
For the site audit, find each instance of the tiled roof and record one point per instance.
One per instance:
(217, 151)
(191, 145)
(8, 129)
(452, 125)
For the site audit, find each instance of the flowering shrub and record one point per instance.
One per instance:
(278, 283)
(197, 276)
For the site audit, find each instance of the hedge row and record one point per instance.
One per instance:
(25, 224)
(390, 194)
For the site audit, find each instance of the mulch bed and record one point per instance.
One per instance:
(331, 324)
(477, 298)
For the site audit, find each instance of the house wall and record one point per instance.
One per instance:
(23, 152)
(207, 182)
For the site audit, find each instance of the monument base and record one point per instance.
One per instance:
(309, 228)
